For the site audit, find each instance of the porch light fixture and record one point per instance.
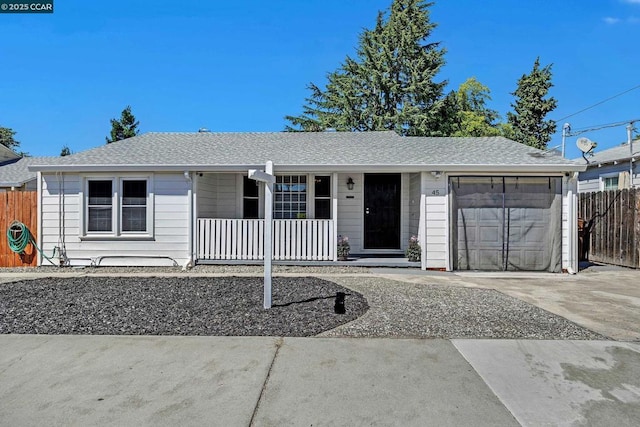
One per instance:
(436, 174)
(350, 183)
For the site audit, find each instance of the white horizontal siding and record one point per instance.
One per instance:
(589, 185)
(170, 224)
(589, 180)
(207, 194)
(218, 195)
(350, 217)
(568, 222)
(436, 221)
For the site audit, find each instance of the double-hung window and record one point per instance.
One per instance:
(134, 205)
(117, 207)
(100, 206)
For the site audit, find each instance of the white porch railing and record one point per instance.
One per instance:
(243, 239)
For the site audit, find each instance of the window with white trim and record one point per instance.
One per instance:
(322, 197)
(290, 197)
(611, 182)
(250, 198)
(100, 206)
(117, 206)
(133, 209)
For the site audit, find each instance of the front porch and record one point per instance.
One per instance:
(378, 212)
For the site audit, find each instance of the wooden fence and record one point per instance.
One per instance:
(19, 206)
(243, 239)
(610, 231)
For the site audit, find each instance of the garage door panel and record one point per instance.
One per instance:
(518, 229)
(490, 234)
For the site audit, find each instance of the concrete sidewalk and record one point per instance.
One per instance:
(268, 381)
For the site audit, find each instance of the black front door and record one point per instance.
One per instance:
(382, 211)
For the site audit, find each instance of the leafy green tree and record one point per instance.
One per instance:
(474, 117)
(532, 106)
(7, 139)
(66, 151)
(126, 127)
(389, 85)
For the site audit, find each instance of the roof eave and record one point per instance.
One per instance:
(526, 168)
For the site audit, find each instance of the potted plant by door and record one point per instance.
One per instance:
(413, 251)
(343, 248)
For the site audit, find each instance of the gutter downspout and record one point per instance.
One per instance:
(190, 261)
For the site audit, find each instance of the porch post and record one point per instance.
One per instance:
(334, 210)
(422, 225)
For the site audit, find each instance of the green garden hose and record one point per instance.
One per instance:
(19, 238)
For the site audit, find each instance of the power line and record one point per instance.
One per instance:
(599, 127)
(598, 103)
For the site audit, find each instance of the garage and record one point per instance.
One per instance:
(506, 223)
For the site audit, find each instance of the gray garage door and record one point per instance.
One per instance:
(507, 223)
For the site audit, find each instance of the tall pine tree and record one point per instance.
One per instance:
(126, 127)
(389, 85)
(531, 106)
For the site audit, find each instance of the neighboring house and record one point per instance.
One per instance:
(15, 175)
(610, 169)
(7, 153)
(474, 203)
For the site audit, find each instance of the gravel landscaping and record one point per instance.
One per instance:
(412, 310)
(173, 306)
(303, 306)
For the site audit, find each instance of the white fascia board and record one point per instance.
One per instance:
(451, 168)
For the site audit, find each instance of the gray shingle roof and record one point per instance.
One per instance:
(206, 151)
(14, 173)
(621, 152)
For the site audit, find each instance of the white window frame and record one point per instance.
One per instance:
(312, 191)
(116, 208)
(604, 176)
(306, 193)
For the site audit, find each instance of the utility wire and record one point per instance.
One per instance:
(599, 127)
(598, 103)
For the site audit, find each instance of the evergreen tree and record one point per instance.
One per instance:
(7, 139)
(531, 107)
(389, 85)
(124, 128)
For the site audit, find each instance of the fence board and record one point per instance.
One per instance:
(611, 230)
(19, 206)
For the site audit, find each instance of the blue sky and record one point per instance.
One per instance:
(242, 65)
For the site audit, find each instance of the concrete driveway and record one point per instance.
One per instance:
(605, 300)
